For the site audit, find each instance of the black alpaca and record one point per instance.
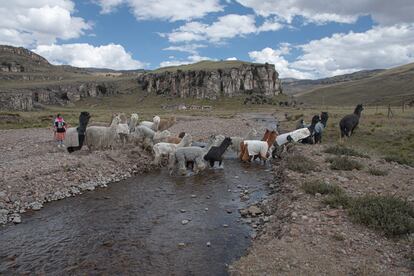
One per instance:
(216, 153)
(319, 128)
(81, 129)
(350, 121)
(310, 138)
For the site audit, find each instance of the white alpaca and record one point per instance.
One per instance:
(152, 125)
(147, 136)
(167, 149)
(99, 137)
(133, 122)
(295, 136)
(123, 132)
(188, 154)
(256, 147)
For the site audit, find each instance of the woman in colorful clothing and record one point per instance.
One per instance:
(59, 127)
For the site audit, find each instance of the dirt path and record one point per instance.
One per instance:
(306, 237)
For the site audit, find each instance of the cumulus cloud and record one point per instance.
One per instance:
(27, 23)
(111, 56)
(276, 57)
(170, 10)
(380, 47)
(384, 12)
(190, 59)
(227, 26)
(231, 58)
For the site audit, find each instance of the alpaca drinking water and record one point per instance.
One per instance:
(167, 149)
(350, 122)
(185, 155)
(215, 154)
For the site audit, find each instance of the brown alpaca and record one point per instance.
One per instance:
(175, 140)
(166, 123)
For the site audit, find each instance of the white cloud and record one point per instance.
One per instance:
(227, 26)
(187, 48)
(110, 56)
(231, 58)
(171, 10)
(190, 59)
(26, 23)
(344, 11)
(275, 57)
(380, 47)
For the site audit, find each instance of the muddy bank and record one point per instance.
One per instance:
(306, 237)
(34, 170)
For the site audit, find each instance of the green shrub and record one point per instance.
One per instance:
(377, 172)
(300, 163)
(391, 215)
(341, 150)
(317, 186)
(400, 159)
(338, 200)
(344, 163)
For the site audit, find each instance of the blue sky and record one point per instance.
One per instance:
(304, 39)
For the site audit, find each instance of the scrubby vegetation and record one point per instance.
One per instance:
(344, 163)
(391, 215)
(321, 187)
(341, 150)
(377, 172)
(300, 163)
(338, 200)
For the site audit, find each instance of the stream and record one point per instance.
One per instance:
(136, 226)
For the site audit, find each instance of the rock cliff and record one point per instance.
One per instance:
(212, 84)
(27, 99)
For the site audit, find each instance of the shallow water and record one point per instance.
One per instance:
(135, 227)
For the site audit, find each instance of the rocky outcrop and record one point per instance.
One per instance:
(212, 84)
(27, 99)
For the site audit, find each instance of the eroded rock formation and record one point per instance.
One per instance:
(27, 99)
(211, 84)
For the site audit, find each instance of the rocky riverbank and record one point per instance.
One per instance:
(304, 236)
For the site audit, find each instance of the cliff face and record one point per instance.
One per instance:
(27, 99)
(212, 84)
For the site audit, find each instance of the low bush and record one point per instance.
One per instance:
(317, 186)
(344, 163)
(398, 158)
(300, 163)
(341, 150)
(377, 172)
(338, 200)
(391, 215)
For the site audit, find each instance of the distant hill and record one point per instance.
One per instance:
(28, 81)
(293, 86)
(206, 65)
(391, 86)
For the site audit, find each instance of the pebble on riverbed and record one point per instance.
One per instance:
(184, 221)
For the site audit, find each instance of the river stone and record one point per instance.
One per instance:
(3, 216)
(254, 210)
(15, 218)
(35, 205)
(184, 221)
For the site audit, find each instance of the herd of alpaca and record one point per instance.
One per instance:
(181, 150)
